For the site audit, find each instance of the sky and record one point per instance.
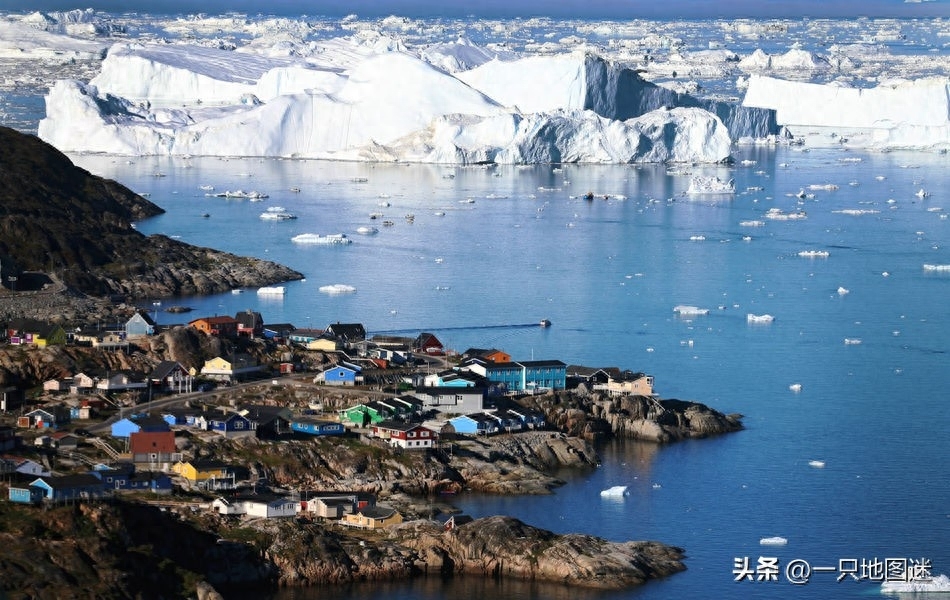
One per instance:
(583, 9)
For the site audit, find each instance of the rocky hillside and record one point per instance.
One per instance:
(127, 550)
(60, 219)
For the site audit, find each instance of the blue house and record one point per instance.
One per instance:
(528, 376)
(316, 427)
(475, 424)
(341, 374)
(69, 487)
(507, 420)
(124, 428)
(231, 425)
(114, 478)
(25, 495)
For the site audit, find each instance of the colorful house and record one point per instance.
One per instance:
(322, 344)
(523, 376)
(249, 323)
(122, 381)
(207, 474)
(373, 517)
(362, 415)
(50, 417)
(341, 374)
(36, 333)
(69, 487)
(411, 436)
(629, 383)
(239, 365)
(475, 424)
(156, 449)
(231, 425)
(316, 427)
(226, 327)
(488, 354)
(303, 336)
(139, 325)
(427, 343)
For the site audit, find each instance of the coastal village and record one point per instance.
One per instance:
(95, 434)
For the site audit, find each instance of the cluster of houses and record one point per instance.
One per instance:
(471, 398)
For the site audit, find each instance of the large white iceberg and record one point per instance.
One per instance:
(902, 114)
(183, 100)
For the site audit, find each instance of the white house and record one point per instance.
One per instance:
(258, 505)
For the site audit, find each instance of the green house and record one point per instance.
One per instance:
(366, 414)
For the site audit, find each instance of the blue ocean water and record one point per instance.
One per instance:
(863, 331)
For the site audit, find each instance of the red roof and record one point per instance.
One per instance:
(143, 442)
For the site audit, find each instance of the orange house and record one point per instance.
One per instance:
(154, 447)
(217, 326)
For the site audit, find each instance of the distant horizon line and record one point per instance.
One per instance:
(581, 10)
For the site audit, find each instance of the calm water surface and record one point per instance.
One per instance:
(516, 245)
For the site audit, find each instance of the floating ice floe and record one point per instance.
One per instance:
(759, 318)
(813, 254)
(795, 387)
(701, 184)
(277, 290)
(818, 464)
(940, 583)
(753, 223)
(773, 541)
(828, 187)
(852, 341)
(856, 211)
(690, 311)
(366, 230)
(317, 239)
(922, 193)
(239, 194)
(337, 288)
(940, 268)
(617, 491)
(843, 290)
(697, 238)
(277, 213)
(777, 214)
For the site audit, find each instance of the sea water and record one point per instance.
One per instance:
(851, 371)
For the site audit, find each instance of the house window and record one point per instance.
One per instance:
(412, 434)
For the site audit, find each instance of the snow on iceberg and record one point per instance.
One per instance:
(181, 100)
(617, 491)
(321, 240)
(751, 318)
(903, 114)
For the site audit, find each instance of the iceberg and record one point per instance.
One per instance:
(277, 290)
(331, 239)
(617, 491)
(337, 288)
(818, 464)
(895, 114)
(689, 311)
(700, 184)
(773, 541)
(751, 318)
(181, 100)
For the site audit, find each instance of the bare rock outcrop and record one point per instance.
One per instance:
(507, 547)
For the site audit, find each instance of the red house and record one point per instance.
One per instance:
(427, 343)
(154, 447)
(405, 435)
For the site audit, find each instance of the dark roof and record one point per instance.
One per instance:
(151, 423)
(397, 425)
(70, 481)
(249, 319)
(377, 512)
(146, 317)
(280, 327)
(347, 331)
(165, 368)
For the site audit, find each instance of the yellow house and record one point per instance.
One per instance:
(202, 471)
(635, 384)
(323, 345)
(373, 517)
(222, 368)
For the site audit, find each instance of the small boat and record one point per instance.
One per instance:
(366, 230)
(545, 323)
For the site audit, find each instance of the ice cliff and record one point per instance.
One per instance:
(181, 100)
(899, 114)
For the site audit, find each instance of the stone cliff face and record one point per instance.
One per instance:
(595, 415)
(58, 218)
